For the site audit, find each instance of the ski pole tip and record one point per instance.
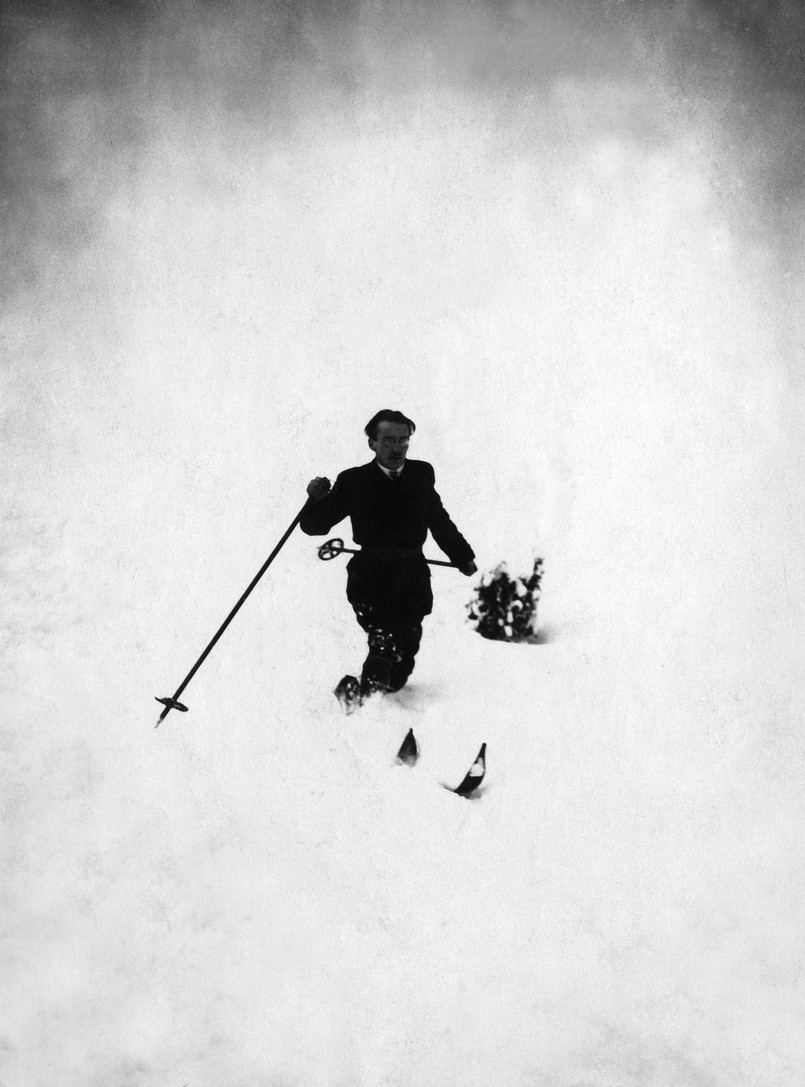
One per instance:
(169, 704)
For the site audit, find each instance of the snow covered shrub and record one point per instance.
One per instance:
(505, 608)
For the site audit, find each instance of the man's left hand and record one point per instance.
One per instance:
(468, 569)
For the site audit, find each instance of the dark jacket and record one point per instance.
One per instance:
(390, 522)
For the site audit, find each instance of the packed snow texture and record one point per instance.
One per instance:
(564, 239)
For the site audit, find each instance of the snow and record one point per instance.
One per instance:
(597, 336)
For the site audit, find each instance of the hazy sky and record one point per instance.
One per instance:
(222, 217)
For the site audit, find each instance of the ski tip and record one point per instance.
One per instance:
(474, 776)
(409, 749)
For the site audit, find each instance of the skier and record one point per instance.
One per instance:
(392, 502)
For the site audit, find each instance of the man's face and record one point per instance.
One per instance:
(391, 445)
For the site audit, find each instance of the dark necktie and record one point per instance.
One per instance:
(395, 476)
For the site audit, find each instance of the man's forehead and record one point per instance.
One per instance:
(396, 430)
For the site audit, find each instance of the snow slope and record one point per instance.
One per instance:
(583, 295)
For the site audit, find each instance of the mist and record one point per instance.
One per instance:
(233, 229)
(567, 241)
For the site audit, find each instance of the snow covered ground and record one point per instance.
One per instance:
(567, 248)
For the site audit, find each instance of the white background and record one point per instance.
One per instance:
(565, 241)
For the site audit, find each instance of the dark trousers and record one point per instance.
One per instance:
(393, 645)
(391, 595)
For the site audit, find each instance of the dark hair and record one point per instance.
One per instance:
(387, 416)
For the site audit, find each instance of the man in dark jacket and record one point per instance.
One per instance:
(392, 502)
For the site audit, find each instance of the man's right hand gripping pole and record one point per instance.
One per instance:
(318, 487)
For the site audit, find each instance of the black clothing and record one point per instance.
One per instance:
(393, 646)
(388, 513)
(390, 522)
(388, 582)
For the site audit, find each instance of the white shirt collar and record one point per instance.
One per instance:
(388, 471)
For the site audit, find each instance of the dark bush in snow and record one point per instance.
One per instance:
(505, 608)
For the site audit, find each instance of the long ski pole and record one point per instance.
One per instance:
(335, 547)
(174, 703)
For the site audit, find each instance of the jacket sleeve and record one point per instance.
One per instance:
(318, 517)
(443, 530)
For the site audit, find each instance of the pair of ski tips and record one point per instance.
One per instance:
(348, 693)
(409, 753)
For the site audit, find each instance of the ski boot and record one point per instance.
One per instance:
(349, 693)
